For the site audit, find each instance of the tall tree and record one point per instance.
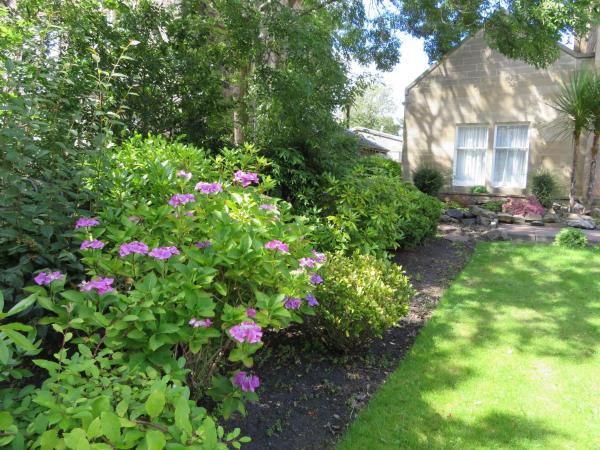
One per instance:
(594, 106)
(375, 109)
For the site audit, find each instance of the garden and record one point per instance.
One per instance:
(195, 254)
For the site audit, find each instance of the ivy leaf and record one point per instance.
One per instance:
(155, 403)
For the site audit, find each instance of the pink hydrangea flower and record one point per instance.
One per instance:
(311, 300)
(134, 219)
(319, 257)
(181, 199)
(185, 175)
(277, 245)
(251, 312)
(47, 277)
(209, 188)
(203, 244)
(202, 323)
(292, 302)
(245, 178)
(246, 332)
(86, 222)
(164, 252)
(247, 382)
(102, 285)
(133, 247)
(315, 278)
(307, 262)
(95, 244)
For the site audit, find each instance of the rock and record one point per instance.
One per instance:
(494, 223)
(482, 212)
(533, 217)
(537, 223)
(455, 213)
(581, 223)
(519, 219)
(551, 218)
(596, 212)
(447, 219)
(468, 222)
(495, 235)
(486, 222)
(468, 215)
(578, 207)
(505, 217)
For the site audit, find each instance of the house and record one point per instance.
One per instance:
(372, 141)
(485, 119)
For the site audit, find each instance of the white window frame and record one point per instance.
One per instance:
(503, 185)
(456, 182)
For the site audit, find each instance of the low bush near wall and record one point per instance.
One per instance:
(174, 306)
(428, 180)
(523, 207)
(571, 238)
(363, 296)
(544, 186)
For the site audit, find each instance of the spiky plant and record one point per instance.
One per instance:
(594, 105)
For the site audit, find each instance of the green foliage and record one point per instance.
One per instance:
(571, 238)
(428, 179)
(361, 298)
(373, 214)
(479, 190)
(544, 187)
(494, 205)
(374, 109)
(377, 165)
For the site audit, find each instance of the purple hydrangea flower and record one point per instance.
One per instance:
(307, 262)
(47, 277)
(319, 257)
(268, 207)
(86, 222)
(209, 188)
(181, 199)
(292, 302)
(245, 178)
(133, 247)
(164, 252)
(315, 278)
(246, 332)
(185, 175)
(95, 244)
(202, 323)
(203, 244)
(102, 285)
(251, 312)
(311, 300)
(277, 245)
(247, 382)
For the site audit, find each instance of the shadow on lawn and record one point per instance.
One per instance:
(516, 298)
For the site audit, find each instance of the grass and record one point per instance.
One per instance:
(509, 360)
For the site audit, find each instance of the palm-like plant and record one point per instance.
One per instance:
(593, 99)
(573, 107)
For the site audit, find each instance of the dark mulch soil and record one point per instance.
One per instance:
(307, 398)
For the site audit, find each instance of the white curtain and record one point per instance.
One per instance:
(510, 156)
(471, 145)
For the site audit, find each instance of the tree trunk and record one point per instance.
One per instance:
(592, 177)
(240, 114)
(572, 190)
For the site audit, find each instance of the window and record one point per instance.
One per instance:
(511, 148)
(469, 161)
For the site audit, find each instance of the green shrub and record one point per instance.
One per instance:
(373, 214)
(479, 190)
(428, 179)
(571, 238)
(494, 205)
(544, 186)
(361, 297)
(377, 165)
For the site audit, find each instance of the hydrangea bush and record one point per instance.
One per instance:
(176, 302)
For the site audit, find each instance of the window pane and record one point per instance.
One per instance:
(510, 167)
(511, 136)
(472, 137)
(469, 167)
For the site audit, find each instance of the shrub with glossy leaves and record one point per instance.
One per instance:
(377, 165)
(571, 238)
(428, 179)
(362, 298)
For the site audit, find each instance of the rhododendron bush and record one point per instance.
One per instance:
(175, 304)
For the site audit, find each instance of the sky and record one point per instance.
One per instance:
(413, 62)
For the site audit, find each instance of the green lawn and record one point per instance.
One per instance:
(509, 360)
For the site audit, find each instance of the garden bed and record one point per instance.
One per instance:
(308, 397)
